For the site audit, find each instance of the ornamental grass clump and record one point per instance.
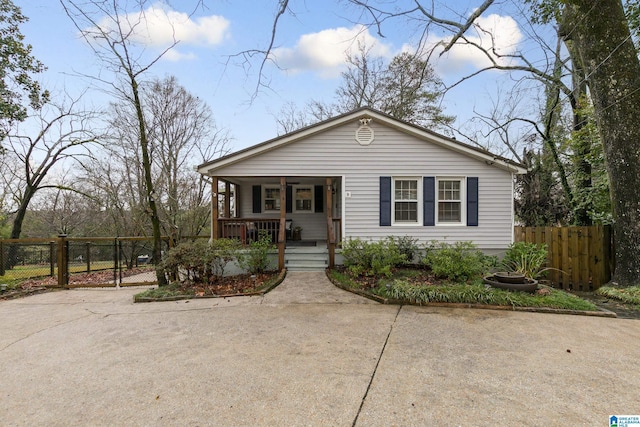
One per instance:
(527, 259)
(476, 293)
(629, 295)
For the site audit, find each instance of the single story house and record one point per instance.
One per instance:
(363, 175)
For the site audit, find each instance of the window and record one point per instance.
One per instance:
(405, 200)
(428, 201)
(271, 198)
(450, 201)
(303, 198)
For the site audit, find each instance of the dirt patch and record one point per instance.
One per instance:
(623, 310)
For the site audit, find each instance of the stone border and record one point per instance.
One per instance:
(600, 313)
(276, 282)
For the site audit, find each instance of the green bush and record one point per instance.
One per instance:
(460, 261)
(255, 258)
(371, 258)
(200, 261)
(526, 258)
(407, 246)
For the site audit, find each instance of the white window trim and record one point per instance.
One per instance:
(313, 198)
(419, 201)
(463, 201)
(264, 197)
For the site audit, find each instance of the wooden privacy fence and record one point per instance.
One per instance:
(583, 254)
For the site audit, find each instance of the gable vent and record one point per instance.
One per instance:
(364, 134)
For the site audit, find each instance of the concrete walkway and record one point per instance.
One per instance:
(92, 357)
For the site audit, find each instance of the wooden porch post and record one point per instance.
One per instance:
(215, 232)
(331, 236)
(283, 215)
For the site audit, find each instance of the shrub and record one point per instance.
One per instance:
(255, 259)
(526, 258)
(200, 261)
(407, 246)
(371, 258)
(459, 261)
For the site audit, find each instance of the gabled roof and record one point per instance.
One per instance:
(209, 168)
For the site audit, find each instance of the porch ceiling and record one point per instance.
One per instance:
(294, 180)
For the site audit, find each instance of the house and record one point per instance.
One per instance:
(363, 175)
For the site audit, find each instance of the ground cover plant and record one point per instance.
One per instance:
(629, 295)
(449, 273)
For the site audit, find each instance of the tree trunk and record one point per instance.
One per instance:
(148, 179)
(603, 42)
(12, 255)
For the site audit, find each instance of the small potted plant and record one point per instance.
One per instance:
(523, 264)
(297, 233)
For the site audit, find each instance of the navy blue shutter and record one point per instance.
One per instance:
(289, 196)
(319, 199)
(257, 198)
(472, 201)
(429, 200)
(385, 201)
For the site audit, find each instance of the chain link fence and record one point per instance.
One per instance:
(80, 262)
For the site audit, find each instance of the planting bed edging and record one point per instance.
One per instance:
(263, 291)
(600, 313)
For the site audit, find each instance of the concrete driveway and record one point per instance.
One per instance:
(306, 354)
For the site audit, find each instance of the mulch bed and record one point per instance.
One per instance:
(230, 285)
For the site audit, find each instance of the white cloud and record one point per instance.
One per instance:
(159, 27)
(174, 55)
(493, 31)
(325, 51)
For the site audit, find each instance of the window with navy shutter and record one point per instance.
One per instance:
(472, 201)
(429, 200)
(385, 201)
(256, 191)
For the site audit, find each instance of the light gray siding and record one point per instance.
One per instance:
(336, 153)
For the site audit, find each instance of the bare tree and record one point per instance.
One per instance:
(407, 88)
(361, 84)
(182, 133)
(62, 133)
(108, 29)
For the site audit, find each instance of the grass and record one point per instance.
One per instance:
(467, 293)
(30, 271)
(20, 274)
(630, 295)
(169, 291)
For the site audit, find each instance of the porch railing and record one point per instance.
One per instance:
(247, 230)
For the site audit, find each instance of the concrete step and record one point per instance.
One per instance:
(306, 261)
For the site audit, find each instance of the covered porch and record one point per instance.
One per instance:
(291, 211)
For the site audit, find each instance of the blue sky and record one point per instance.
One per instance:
(310, 49)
